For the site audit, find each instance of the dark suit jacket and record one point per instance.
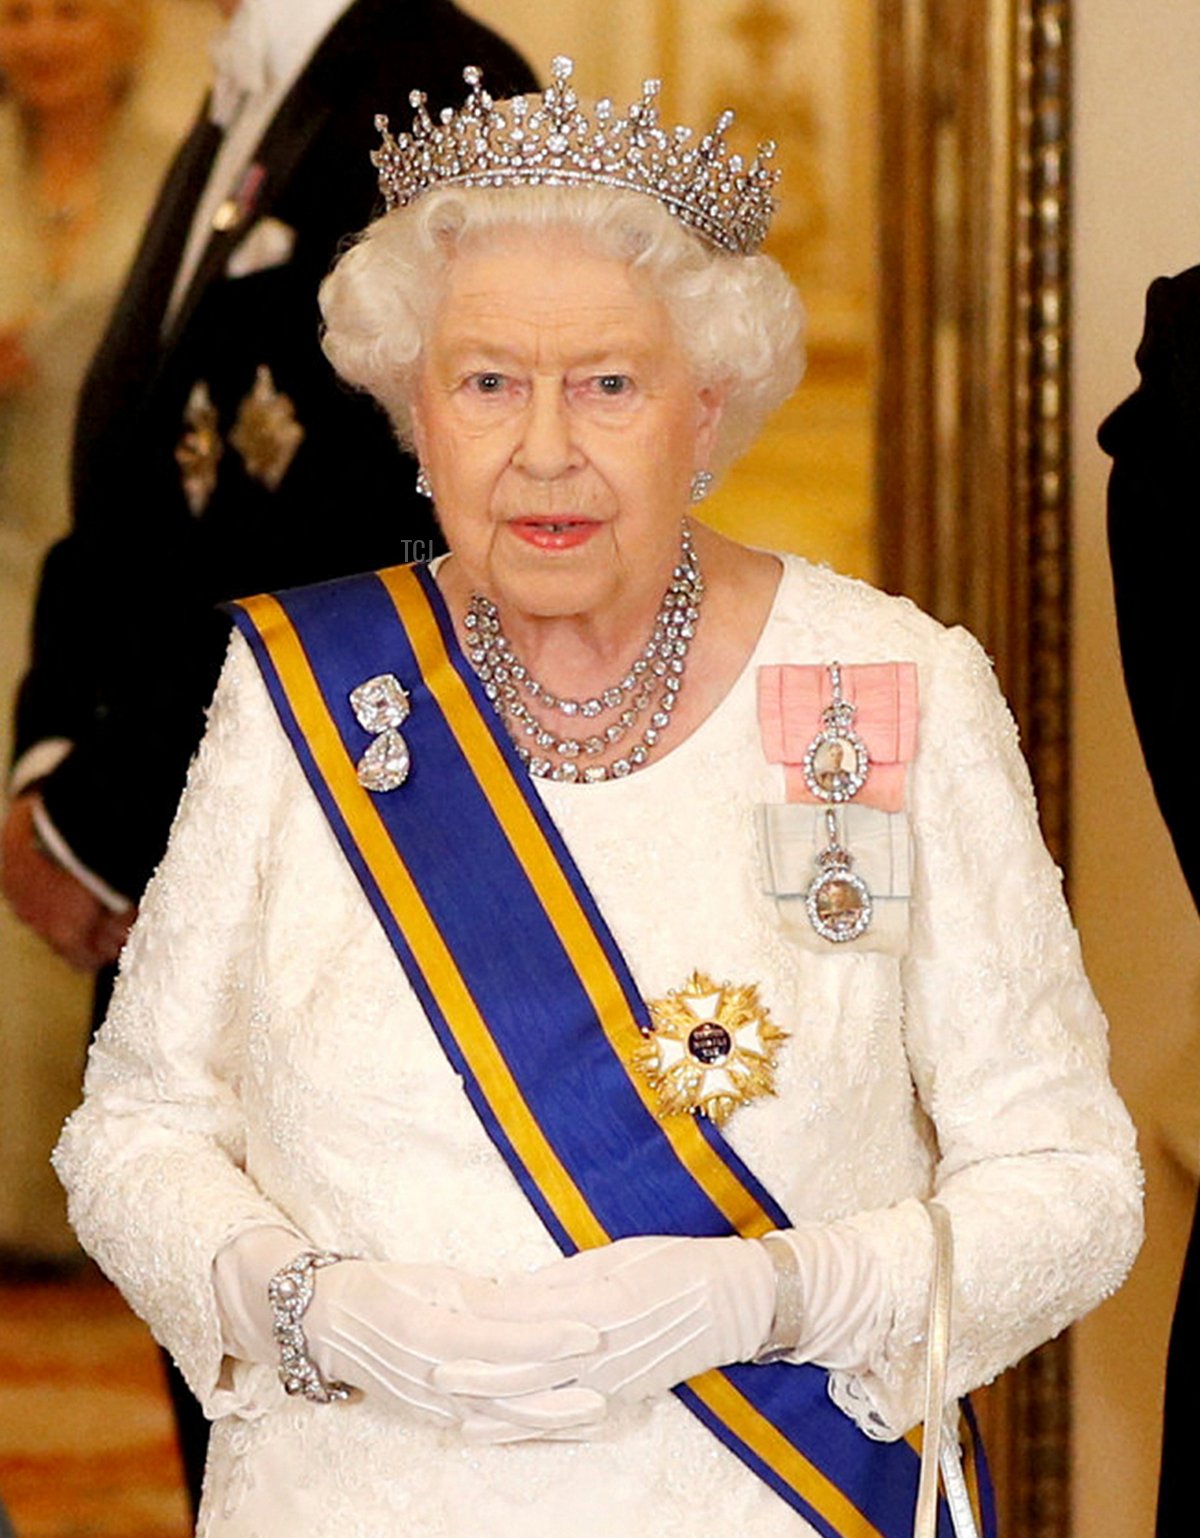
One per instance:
(127, 642)
(1154, 542)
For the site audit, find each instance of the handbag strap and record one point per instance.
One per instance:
(937, 1352)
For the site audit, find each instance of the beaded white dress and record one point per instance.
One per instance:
(265, 1055)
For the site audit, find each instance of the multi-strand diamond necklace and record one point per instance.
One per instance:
(652, 684)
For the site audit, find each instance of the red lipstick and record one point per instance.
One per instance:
(554, 533)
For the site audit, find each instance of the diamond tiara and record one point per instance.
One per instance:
(556, 144)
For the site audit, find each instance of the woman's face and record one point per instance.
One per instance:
(557, 417)
(60, 53)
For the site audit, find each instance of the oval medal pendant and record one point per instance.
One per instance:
(839, 904)
(836, 763)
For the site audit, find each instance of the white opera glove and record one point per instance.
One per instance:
(666, 1308)
(385, 1328)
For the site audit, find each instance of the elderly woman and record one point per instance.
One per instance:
(579, 966)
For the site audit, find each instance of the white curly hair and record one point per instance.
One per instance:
(738, 318)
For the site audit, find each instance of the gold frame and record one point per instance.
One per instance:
(972, 449)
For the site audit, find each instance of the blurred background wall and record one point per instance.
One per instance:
(1137, 215)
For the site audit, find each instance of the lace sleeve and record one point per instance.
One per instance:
(1008, 1052)
(152, 1160)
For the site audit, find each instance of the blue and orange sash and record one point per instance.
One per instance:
(535, 1006)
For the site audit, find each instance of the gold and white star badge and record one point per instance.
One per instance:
(712, 1048)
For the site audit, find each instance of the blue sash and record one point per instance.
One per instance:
(535, 1007)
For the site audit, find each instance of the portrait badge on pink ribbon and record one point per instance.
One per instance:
(793, 702)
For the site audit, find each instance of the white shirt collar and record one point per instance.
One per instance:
(265, 46)
(294, 28)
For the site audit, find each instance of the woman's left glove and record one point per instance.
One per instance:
(384, 1327)
(666, 1308)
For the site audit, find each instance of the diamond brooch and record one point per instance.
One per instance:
(381, 707)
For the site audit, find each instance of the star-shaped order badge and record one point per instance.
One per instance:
(712, 1048)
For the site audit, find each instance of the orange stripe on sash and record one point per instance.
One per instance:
(435, 960)
(558, 899)
(570, 922)
(970, 1462)
(720, 1395)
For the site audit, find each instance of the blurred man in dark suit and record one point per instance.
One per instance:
(215, 453)
(1154, 541)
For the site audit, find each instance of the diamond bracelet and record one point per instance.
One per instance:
(290, 1291)
(788, 1323)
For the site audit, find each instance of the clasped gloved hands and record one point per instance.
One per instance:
(540, 1356)
(665, 1309)
(389, 1328)
(386, 1328)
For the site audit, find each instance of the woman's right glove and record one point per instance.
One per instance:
(665, 1308)
(668, 1308)
(384, 1328)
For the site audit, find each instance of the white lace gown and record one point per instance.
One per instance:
(265, 1055)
